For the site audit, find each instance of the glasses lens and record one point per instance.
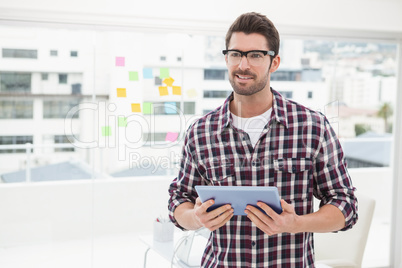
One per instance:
(234, 57)
(255, 58)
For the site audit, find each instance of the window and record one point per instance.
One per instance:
(62, 78)
(20, 53)
(15, 82)
(172, 108)
(63, 139)
(189, 108)
(13, 109)
(215, 74)
(154, 136)
(53, 53)
(162, 58)
(310, 95)
(73, 54)
(58, 108)
(166, 108)
(45, 76)
(216, 93)
(286, 75)
(286, 94)
(13, 140)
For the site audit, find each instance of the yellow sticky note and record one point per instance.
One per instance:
(168, 81)
(136, 107)
(121, 93)
(176, 90)
(163, 91)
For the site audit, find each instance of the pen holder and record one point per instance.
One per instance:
(163, 231)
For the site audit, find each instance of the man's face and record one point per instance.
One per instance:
(245, 78)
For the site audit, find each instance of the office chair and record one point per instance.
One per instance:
(346, 249)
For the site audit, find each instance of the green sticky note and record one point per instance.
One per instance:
(133, 76)
(147, 108)
(106, 131)
(122, 121)
(164, 73)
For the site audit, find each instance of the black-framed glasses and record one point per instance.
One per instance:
(254, 57)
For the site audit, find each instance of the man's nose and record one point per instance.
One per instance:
(243, 65)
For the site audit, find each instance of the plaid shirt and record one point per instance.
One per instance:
(298, 152)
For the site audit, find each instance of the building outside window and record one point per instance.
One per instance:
(63, 139)
(58, 108)
(53, 53)
(215, 74)
(20, 53)
(16, 109)
(13, 82)
(13, 140)
(62, 78)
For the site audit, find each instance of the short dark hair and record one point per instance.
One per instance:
(255, 23)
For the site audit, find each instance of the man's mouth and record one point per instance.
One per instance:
(243, 77)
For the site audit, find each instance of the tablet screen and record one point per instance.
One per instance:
(240, 196)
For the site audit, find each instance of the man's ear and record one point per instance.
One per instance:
(275, 64)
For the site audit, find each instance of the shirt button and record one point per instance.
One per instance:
(253, 243)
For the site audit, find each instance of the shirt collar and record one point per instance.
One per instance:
(279, 111)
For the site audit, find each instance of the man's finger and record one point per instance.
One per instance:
(268, 210)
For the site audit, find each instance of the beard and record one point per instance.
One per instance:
(257, 86)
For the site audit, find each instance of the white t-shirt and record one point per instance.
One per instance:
(253, 126)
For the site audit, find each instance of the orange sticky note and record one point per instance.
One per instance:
(168, 81)
(176, 90)
(121, 93)
(163, 91)
(136, 107)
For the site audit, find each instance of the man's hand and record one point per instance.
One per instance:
(286, 222)
(214, 219)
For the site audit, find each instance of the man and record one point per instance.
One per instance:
(259, 138)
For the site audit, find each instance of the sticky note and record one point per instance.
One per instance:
(163, 91)
(171, 136)
(121, 93)
(133, 76)
(164, 73)
(168, 81)
(170, 108)
(176, 90)
(147, 108)
(106, 131)
(192, 93)
(122, 121)
(136, 107)
(147, 73)
(120, 61)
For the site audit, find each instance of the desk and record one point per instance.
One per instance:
(165, 249)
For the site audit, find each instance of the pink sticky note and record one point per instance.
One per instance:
(120, 61)
(171, 136)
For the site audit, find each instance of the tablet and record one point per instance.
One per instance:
(240, 196)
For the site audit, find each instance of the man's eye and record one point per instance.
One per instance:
(235, 55)
(255, 55)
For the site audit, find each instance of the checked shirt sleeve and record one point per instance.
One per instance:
(182, 189)
(334, 185)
